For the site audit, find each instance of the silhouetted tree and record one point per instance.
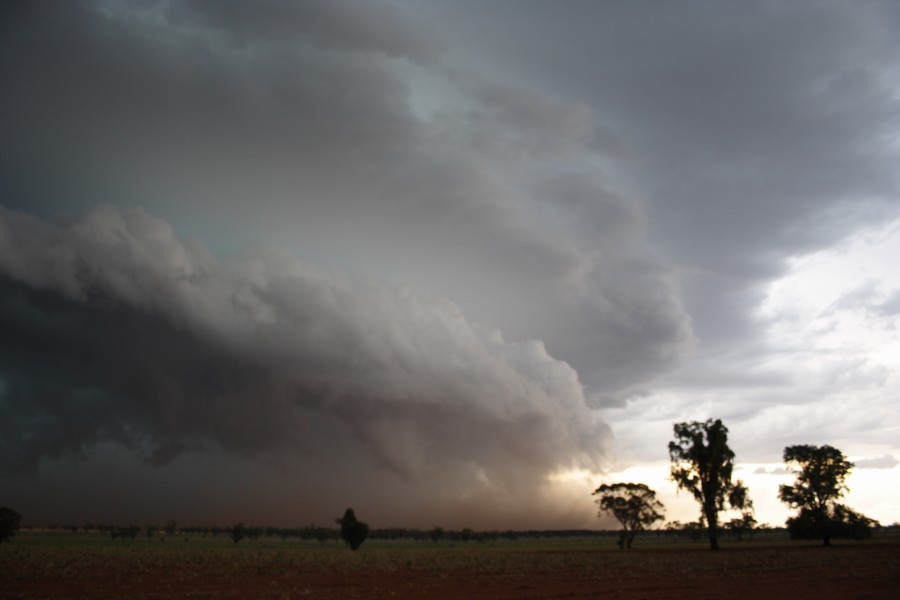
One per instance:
(171, 526)
(742, 525)
(238, 532)
(819, 487)
(353, 532)
(703, 464)
(436, 534)
(9, 523)
(634, 505)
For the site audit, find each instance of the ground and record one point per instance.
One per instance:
(32, 567)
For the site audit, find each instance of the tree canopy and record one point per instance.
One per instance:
(819, 486)
(634, 505)
(702, 464)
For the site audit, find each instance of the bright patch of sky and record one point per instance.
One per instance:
(833, 353)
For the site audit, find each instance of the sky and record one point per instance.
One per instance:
(448, 262)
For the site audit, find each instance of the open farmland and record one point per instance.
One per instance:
(92, 566)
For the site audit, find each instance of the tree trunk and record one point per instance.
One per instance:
(712, 525)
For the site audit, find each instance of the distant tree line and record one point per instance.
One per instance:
(435, 535)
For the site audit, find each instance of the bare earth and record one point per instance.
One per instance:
(851, 570)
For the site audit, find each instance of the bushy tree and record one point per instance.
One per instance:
(817, 491)
(634, 505)
(9, 523)
(353, 532)
(702, 463)
(742, 525)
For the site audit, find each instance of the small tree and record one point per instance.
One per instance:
(702, 463)
(171, 527)
(352, 531)
(634, 505)
(819, 487)
(745, 524)
(9, 523)
(238, 532)
(436, 534)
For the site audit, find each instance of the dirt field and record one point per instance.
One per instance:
(529, 569)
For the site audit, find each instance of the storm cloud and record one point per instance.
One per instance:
(384, 240)
(118, 330)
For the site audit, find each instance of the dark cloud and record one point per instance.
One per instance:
(116, 330)
(143, 107)
(363, 26)
(621, 181)
(754, 131)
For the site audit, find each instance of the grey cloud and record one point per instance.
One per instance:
(119, 331)
(870, 297)
(618, 180)
(890, 306)
(113, 104)
(772, 471)
(887, 461)
(347, 25)
(529, 121)
(756, 131)
(318, 150)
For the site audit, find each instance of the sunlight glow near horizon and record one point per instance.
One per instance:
(872, 492)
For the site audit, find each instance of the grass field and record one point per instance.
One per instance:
(90, 565)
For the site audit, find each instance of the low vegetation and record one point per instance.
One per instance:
(91, 565)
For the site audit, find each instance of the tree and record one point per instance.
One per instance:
(436, 534)
(171, 526)
(352, 531)
(746, 523)
(238, 532)
(9, 523)
(819, 487)
(634, 505)
(124, 533)
(702, 465)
